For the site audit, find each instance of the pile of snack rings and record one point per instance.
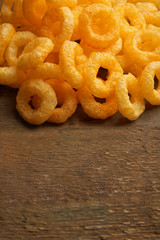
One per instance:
(56, 51)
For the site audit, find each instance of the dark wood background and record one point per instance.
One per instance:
(82, 180)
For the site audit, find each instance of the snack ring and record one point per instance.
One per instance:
(96, 109)
(133, 46)
(131, 19)
(58, 25)
(12, 76)
(7, 32)
(45, 71)
(35, 11)
(130, 107)
(62, 3)
(98, 87)
(67, 100)
(48, 101)
(150, 13)
(35, 53)
(113, 49)
(71, 67)
(98, 25)
(147, 83)
(19, 40)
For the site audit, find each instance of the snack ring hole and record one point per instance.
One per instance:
(102, 73)
(34, 102)
(100, 100)
(156, 82)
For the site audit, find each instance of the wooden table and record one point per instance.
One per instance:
(83, 180)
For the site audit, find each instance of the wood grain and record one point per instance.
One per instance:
(82, 180)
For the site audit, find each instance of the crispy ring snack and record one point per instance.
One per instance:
(72, 63)
(97, 86)
(150, 13)
(147, 83)
(96, 109)
(133, 107)
(35, 11)
(155, 2)
(113, 49)
(11, 76)
(6, 34)
(99, 26)
(67, 100)
(129, 66)
(19, 40)
(131, 19)
(62, 3)
(45, 70)
(34, 53)
(48, 101)
(6, 10)
(135, 41)
(12, 12)
(64, 18)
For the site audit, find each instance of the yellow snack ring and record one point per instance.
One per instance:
(113, 49)
(155, 2)
(64, 18)
(62, 3)
(12, 12)
(147, 83)
(129, 66)
(11, 76)
(107, 2)
(97, 86)
(6, 10)
(67, 100)
(7, 32)
(133, 107)
(150, 13)
(34, 53)
(19, 40)
(98, 25)
(76, 14)
(34, 11)
(45, 70)
(96, 109)
(48, 101)
(130, 19)
(71, 62)
(135, 41)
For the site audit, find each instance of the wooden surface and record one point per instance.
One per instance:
(82, 180)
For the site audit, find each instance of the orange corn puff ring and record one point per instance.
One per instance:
(71, 63)
(11, 76)
(35, 11)
(19, 40)
(67, 100)
(35, 52)
(134, 43)
(7, 32)
(130, 107)
(96, 109)
(64, 18)
(98, 25)
(45, 70)
(47, 96)
(147, 83)
(62, 3)
(98, 87)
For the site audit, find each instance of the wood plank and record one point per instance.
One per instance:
(85, 179)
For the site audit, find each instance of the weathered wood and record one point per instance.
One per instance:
(85, 179)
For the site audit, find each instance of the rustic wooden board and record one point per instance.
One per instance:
(85, 179)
